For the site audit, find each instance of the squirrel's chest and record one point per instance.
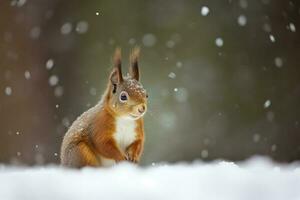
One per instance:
(125, 133)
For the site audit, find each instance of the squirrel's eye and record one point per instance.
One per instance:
(123, 96)
(147, 96)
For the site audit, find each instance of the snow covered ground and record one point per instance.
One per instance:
(257, 178)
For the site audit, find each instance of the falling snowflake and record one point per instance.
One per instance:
(267, 103)
(181, 95)
(53, 80)
(66, 28)
(204, 11)
(49, 64)
(27, 75)
(242, 20)
(93, 91)
(8, 91)
(58, 91)
(18, 3)
(292, 27)
(132, 41)
(272, 38)
(172, 75)
(82, 27)
(204, 153)
(149, 40)
(256, 138)
(267, 27)
(219, 42)
(278, 62)
(273, 147)
(179, 64)
(170, 44)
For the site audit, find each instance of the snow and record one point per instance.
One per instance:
(134, 86)
(93, 91)
(131, 41)
(272, 38)
(204, 153)
(219, 42)
(273, 147)
(149, 40)
(82, 27)
(66, 122)
(204, 11)
(256, 137)
(179, 64)
(53, 80)
(267, 103)
(58, 91)
(170, 44)
(172, 75)
(278, 62)
(270, 116)
(49, 64)
(18, 3)
(27, 75)
(181, 95)
(257, 178)
(66, 28)
(242, 20)
(8, 91)
(267, 28)
(292, 27)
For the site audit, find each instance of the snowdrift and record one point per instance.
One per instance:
(253, 179)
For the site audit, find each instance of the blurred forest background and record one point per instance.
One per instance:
(223, 76)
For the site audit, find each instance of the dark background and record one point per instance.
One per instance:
(206, 101)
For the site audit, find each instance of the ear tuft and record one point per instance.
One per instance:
(134, 67)
(116, 75)
(117, 57)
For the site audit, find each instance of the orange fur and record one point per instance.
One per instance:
(88, 156)
(102, 136)
(91, 136)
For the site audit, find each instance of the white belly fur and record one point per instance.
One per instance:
(124, 136)
(125, 132)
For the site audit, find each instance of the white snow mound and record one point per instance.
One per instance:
(254, 179)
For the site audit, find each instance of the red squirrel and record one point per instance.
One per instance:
(113, 130)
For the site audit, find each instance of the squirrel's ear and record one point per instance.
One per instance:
(134, 65)
(116, 75)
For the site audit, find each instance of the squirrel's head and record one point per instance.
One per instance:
(127, 97)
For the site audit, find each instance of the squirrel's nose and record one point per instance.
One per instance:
(141, 108)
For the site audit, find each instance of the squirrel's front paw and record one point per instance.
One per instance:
(131, 157)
